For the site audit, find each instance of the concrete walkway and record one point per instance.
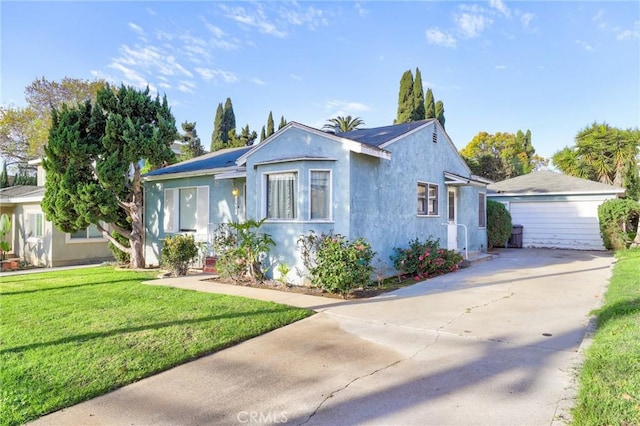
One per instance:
(493, 344)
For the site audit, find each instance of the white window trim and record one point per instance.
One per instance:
(330, 218)
(420, 182)
(171, 211)
(28, 211)
(69, 240)
(263, 196)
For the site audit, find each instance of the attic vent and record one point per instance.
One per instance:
(434, 138)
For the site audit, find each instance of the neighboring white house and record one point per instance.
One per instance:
(555, 210)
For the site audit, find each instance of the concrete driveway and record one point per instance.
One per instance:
(493, 344)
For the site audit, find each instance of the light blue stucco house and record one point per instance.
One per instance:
(389, 185)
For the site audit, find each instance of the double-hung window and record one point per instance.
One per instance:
(320, 194)
(89, 232)
(427, 199)
(282, 193)
(35, 226)
(482, 210)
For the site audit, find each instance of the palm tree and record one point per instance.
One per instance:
(343, 124)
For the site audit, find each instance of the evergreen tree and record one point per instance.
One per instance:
(228, 120)
(429, 105)
(270, 125)
(405, 99)
(263, 135)
(4, 177)
(92, 162)
(283, 123)
(418, 98)
(192, 147)
(216, 135)
(440, 112)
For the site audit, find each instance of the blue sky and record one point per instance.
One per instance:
(551, 67)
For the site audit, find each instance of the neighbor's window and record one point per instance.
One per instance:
(90, 231)
(281, 195)
(35, 226)
(320, 194)
(427, 199)
(188, 209)
(482, 210)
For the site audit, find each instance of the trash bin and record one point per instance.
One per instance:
(515, 241)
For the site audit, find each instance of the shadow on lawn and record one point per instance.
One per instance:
(88, 336)
(617, 310)
(64, 287)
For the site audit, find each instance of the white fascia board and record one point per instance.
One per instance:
(520, 194)
(180, 175)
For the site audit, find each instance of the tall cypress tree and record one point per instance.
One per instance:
(263, 134)
(270, 125)
(405, 99)
(440, 112)
(429, 105)
(216, 135)
(418, 98)
(283, 122)
(228, 120)
(4, 177)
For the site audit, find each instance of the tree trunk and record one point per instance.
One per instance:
(137, 232)
(636, 240)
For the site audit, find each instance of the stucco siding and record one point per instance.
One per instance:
(221, 207)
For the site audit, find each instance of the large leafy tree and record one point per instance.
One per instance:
(501, 156)
(343, 124)
(191, 145)
(605, 154)
(24, 131)
(93, 158)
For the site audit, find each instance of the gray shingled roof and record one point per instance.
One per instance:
(548, 182)
(21, 191)
(380, 135)
(212, 160)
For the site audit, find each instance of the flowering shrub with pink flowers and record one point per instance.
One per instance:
(336, 264)
(422, 260)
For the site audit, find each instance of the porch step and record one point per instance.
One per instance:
(477, 257)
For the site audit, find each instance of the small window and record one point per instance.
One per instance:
(90, 231)
(281, 190)
(427, 199)
(482, 210)
(320, 182)
(35, 225)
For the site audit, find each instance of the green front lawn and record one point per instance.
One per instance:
(609, 391)
(69, 336)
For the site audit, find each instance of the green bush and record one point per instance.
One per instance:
(426, 259)
(241, 250)
(499, 225)
(618, 220)
(336, 264)
(178, 251)
(119, 255)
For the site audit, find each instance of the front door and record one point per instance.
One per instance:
(452, 225)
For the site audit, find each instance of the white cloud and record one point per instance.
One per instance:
(186, 86)
(435, 36)
(349, 107)
(359, 6)
(209, 74)
(255, 19)
(526, 19)
(471, 25)
(136, 28)
(629, 34)
(501, 7)
(586, 46)
(311, 16)
(501, 67)
(257, 81)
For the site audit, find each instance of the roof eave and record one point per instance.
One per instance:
(180, 175)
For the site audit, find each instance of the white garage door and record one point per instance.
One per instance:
(559, 224)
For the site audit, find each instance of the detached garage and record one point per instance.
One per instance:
(555, 210)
